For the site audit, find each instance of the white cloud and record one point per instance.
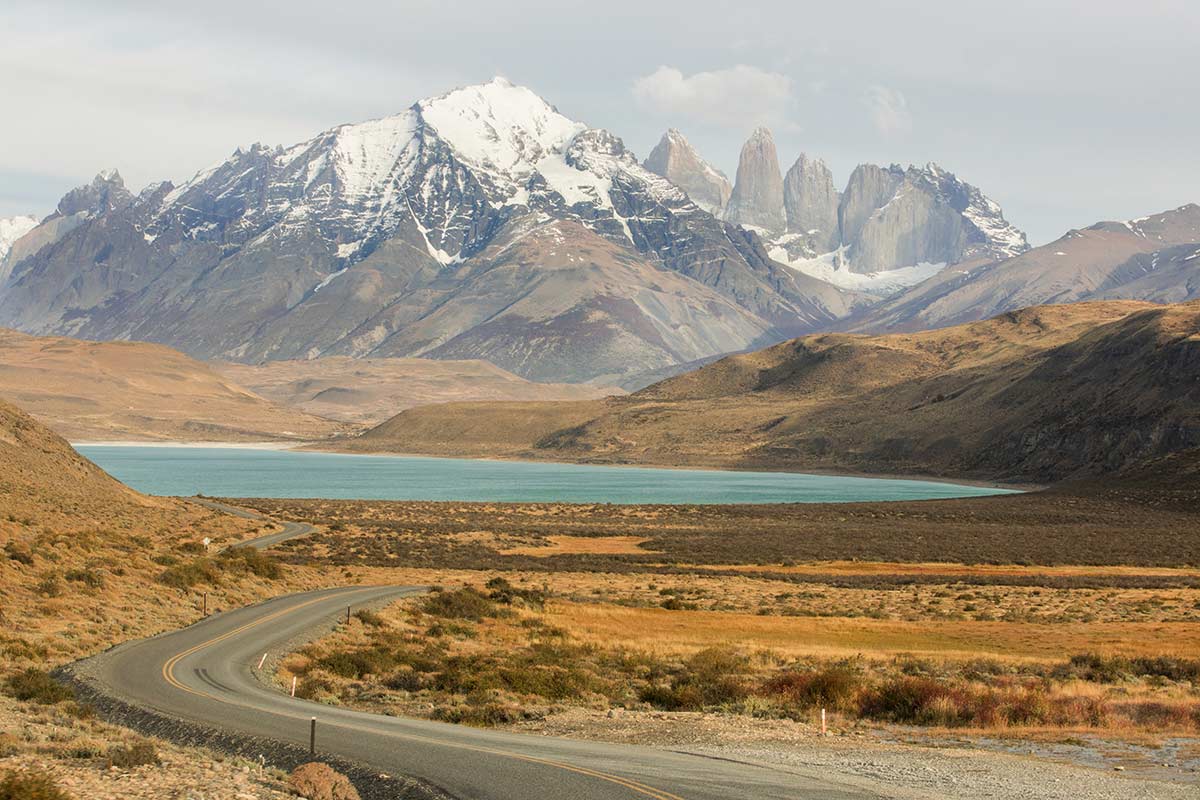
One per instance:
(889, 110)
(736, 97)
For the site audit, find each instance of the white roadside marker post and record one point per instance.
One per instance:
(293, 686)
(262, 661)
(824, 732)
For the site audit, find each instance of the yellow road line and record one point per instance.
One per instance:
(168, 672)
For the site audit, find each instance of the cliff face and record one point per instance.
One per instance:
(675, 159)
(810, 201)
(757, 198)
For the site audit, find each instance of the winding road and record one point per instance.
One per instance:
(291, 530)
(207, 674)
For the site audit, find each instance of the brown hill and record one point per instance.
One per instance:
(1035, 395)
(81, 554)
(42, 477)
(136, 390)
(370, 390)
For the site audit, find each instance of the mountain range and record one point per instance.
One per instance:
(478, 224)
(484, 224)
(889, 228)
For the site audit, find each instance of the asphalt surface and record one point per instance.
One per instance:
(207, 674)
(291, 530)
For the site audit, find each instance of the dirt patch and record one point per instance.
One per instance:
(575, 545)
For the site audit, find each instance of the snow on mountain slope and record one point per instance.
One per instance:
(14, 228)
(500, 128)
(832, 268)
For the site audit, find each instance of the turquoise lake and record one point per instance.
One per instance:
(230, 472)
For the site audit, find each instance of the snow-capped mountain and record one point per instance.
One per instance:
(480, 223)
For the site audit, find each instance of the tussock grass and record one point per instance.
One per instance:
(30, 785)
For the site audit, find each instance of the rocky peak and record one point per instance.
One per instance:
(810, 201)
(675, 159)
(105, 193)
(757, 198)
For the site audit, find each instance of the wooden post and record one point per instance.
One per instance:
(312, 737)
(206, 604)
(347, 615)
(824, 732)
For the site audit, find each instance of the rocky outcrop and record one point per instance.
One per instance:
(810, 201)
(887, 220)
(675, 159)
(757, 198)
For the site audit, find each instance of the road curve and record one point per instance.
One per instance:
(291, 530)
(205, 674)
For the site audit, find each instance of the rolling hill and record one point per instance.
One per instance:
(370, 390)
(139, 391)
(1037, 395)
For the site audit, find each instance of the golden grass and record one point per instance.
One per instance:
(665, 631)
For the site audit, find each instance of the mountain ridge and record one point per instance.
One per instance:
(339, 245)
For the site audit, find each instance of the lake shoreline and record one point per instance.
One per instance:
(408, 477)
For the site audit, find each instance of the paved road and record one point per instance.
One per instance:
(291, 530)
(206, 674)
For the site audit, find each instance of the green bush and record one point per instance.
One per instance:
(36, 685)
(30, 785)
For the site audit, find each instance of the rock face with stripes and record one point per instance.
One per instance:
(433, 232)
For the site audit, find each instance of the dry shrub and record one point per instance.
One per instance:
(35, 685)
(19, 553)
(317, 781)
(138, 754)
(251, 560)
(465, 603)
(835, 688)
(367, 617)
(30, 785)
(715, 676)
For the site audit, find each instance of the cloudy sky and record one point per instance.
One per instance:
(1064, 111)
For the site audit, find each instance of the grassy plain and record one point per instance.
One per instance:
(1072, 609)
